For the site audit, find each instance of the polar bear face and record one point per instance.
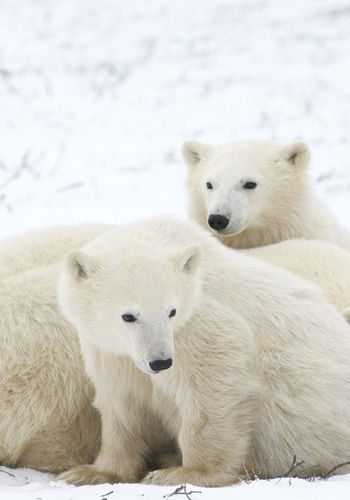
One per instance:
(130, 301)
(242, 184)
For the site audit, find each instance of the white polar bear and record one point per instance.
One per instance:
(320, 262)
(42, 247)
(253, 193)
(259, 359)
(47, 420)
(346, 314)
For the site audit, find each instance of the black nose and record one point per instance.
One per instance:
(218, 222)
(161, 364)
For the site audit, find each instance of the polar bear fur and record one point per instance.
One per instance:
(282, 205)
(46, 417)
(320, 262)
(260, 359)
(41, 247)
(346, 314)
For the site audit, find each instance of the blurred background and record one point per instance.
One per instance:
(96, 97)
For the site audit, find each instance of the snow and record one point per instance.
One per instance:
(96, 97)
(42, 487)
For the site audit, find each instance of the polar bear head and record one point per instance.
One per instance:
(128, 299)
(245, 184)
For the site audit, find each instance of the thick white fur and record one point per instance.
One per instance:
(260, 359)
(42, 247)
(320, 262)
(346, 314)
(281, 207)
(46, 417)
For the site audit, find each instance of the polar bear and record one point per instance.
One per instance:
(320, 262)
(47, 420)
(346, 314)
(192, 346)
(41, 247)
(252, 193)
(44, 246)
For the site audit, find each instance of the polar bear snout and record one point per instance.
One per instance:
(160, 364)
(218, 222)
(153, 347)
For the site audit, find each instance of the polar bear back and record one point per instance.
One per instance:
(320, 262)
(41, 247)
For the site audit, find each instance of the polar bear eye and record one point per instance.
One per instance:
(250, 185)
(129, 318)
(172, 313)
(209, 185)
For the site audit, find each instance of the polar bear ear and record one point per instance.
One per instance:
(193, 152)
(80, 265)
(188, 259)
(297, 154)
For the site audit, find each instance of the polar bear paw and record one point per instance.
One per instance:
(87, 474)
(182, 475)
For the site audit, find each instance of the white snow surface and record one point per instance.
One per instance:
(30, 485)
(96, 97)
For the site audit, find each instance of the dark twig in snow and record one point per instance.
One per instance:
(69, 187)
(295, 464)
(24, 165)
(334, 469)
(106, 494)
(293, 467)
(182, 490)
(6, 472)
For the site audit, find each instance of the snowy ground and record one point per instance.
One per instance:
(96, 97)
(29, 485)
(41, 487)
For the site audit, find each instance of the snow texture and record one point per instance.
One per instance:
(96, 97)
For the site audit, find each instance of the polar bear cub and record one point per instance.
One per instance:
(320, 262)
(47, 420)
(252, 193)
(43, 247)
(228, 362)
